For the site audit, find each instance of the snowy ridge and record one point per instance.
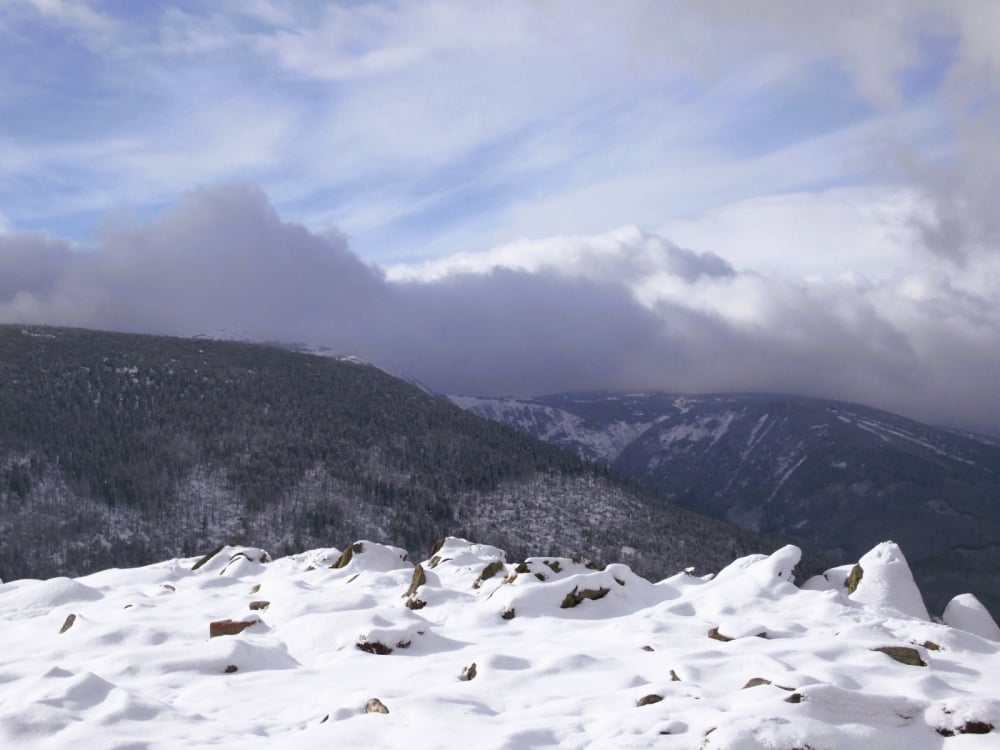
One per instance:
(777, 464)
(360, 648)
(602, 443)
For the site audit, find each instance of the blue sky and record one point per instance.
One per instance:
(171, 166)
(423, 129)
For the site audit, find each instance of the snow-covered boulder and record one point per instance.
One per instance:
(371, 557)
(886, 582)
(967, 613)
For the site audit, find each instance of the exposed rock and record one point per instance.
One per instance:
(647, 700)
(554, 565)
(231, 668)
(903, 654)
(508, 614)
(70, 619)
(585, 562)
(714, 633)
(415, 603)
(208, 557)
(574, 597)
(756, 682)
(375, 706)
(419, 579)
(931, 646)
(795, 698)
(374, 647)
(437, 546)
(229, 627)
(468, 673)
(971, 727)
(259, 604)
(674, 677)
(854, 578)
(488, 572)
(347, 554)
(254, 589)
(648, 648)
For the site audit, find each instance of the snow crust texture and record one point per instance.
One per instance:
(360, 648)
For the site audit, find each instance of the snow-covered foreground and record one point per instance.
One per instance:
(468, 650)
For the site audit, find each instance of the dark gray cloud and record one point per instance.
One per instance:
(223, 263)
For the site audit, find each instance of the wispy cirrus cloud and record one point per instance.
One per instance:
(428, 128)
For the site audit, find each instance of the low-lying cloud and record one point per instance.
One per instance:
(622, 311)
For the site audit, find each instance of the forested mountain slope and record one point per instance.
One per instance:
(121, 449)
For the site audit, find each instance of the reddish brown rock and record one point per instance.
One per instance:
(229, 627)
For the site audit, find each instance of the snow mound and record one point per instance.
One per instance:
(967, 613)
(886, 582)
(365, 556)
(32, 598)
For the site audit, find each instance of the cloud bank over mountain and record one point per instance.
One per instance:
(625, 310)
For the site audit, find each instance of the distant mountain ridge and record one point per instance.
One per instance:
(119, 449)
(837, 476)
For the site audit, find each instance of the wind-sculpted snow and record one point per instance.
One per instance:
(360, 648)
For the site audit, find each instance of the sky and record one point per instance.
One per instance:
(524, 196)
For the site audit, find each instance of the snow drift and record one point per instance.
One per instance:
(361, 648)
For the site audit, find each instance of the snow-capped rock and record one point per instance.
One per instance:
(544, 652)
(886, 581)
(967, 613)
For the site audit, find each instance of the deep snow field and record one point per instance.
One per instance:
(123, 659)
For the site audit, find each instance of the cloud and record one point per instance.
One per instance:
(432, 127)
(623, 310)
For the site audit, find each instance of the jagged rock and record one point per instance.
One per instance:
(488, 572)
(575, 597)
(903, 654)
(854, 578)
(648, 700)
(418, 580)
(374, 647)
(229, 627)
(967, 613)
(347, 554)
(70, 619)
(468, 673)
(260, 604)
(208, 557)
(375, 706)
(508, 614)
(437, 546)
(674, 677)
